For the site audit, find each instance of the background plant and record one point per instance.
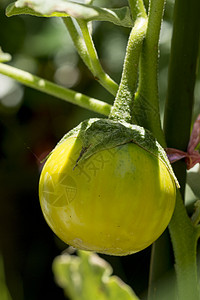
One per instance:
(20, 122)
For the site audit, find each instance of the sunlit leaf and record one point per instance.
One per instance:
(64, 8)
(88, 277)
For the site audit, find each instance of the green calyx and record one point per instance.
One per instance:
(101, 134)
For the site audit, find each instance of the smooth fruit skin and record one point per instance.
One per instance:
(117, 202)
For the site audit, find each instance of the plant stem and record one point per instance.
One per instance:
(87, 52)
(178, 115)
(184, 240)
(182, 73)
(78, 41)
(137, 9)
(146, 104)
(55, 90)
(96, 67)
(122, 108)
(162, 274)
(146, 107)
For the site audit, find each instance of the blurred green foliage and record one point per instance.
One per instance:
(87, 277)
(5, 295)
(31, 123)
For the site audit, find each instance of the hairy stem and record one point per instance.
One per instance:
(146, 104)
(122, 108)
(137, 9)
(55, 90)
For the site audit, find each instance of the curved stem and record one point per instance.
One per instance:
(55, 90)
(137, 9)
(96, 67)
(146, 104)
(78, 41)
(122, 108)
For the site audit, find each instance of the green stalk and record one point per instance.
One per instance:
(184, 239)
(146, 113)
(178, 115)
(55, 90)
(86, 49)
(182, 73)
(96, 67)
(122, 108)
(137, 9)
(146, 104)
(161, 274)
(78, 41)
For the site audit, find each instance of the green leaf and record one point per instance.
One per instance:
(4, 57)
(88, 277)
(63, 8)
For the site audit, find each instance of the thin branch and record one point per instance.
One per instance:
(86, 49)
(55, 90)
(78, 41)
(97, 69)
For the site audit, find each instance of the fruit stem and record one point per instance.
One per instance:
(146, 104)
(122, 107)
(55, 90)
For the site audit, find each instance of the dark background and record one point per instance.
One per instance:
(31, 123)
